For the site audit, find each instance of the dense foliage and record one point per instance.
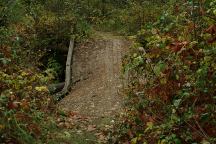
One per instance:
(171, 94)
(32, 35)
(171, 67)
(129, 16)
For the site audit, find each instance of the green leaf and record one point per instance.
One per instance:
(67, 134)
(5, 60)
(177, 102)
(205, 116)
(177, 141)
(159, 67)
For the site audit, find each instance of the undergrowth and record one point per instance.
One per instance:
(30, 31)
(171, 93)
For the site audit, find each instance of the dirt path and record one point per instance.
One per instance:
(97, 80)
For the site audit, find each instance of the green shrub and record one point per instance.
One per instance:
(171, 96)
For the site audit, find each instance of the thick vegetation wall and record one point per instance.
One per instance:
(171, 94)
(33, 39)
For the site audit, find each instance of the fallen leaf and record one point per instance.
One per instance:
(102, 138)
(91, 128)
(2, 126)
(13, 105)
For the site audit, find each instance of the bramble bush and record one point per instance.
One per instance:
(24, 104)
(172, 78)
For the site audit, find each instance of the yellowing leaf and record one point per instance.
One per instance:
(134, 140)
(149, 126)
(162, 142)
(42, 88)
(24, 74)
(205, 142)
(163, 81)
(2, 126)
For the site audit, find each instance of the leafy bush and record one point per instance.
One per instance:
(128, 17)
(24, 101)
(28, 31)
(171, 93)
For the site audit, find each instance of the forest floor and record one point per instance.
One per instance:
(95, 102)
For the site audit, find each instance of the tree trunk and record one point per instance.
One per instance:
(67, 83)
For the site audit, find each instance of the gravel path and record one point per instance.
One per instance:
(96, 76)
(94, 101)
